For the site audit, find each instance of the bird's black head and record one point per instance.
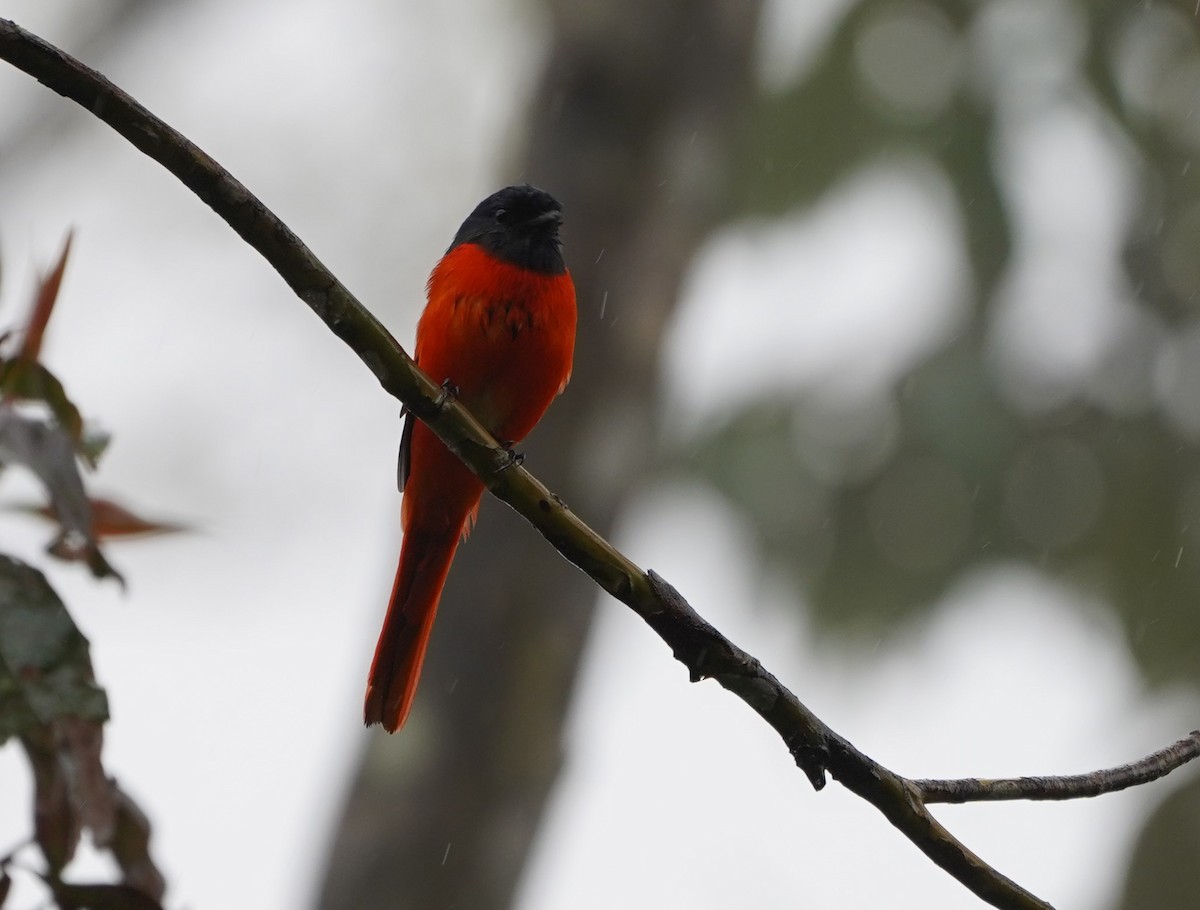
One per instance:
(519, 225)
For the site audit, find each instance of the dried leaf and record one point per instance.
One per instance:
(101, 897)
(70, 789)
(130, 844)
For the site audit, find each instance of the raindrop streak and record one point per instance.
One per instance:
(1178, 556)
(446, 855)
(601, 255)
(603, 305)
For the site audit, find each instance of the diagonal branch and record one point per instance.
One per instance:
(700, 647)
(816, 747)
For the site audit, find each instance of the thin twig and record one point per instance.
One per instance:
(700, 647)
(1075, 786)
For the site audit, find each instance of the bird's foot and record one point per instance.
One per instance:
(510, 456)
(448, 394)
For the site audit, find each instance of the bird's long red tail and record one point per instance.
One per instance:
(424, 563)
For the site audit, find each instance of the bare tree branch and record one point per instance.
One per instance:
(700, 647)
(1076, 786)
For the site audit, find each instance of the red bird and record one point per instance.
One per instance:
(499, 326)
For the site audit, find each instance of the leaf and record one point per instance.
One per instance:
(101, 897)
(45, 671)
(109, 519)
(130, 844)
(42, 447)
(43, 306)
(24, 377)
(92, 445)
(45, 449)
(5, 885)
(71, 791)
(30, 381)
(50, 701)
(72, 548)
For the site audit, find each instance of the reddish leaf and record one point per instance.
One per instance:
(112, 520)
(109, 519)
(43, 306)
(23, 376)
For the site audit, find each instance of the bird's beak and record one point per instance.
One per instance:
(554, 216)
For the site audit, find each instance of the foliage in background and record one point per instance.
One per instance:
(984, 452)
(49, 699)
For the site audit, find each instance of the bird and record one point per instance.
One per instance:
(498, 330)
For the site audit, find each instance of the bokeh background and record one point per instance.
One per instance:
(889, 359)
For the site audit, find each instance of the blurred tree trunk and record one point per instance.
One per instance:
(631, 128)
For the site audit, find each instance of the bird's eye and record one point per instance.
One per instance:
(502, 216)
